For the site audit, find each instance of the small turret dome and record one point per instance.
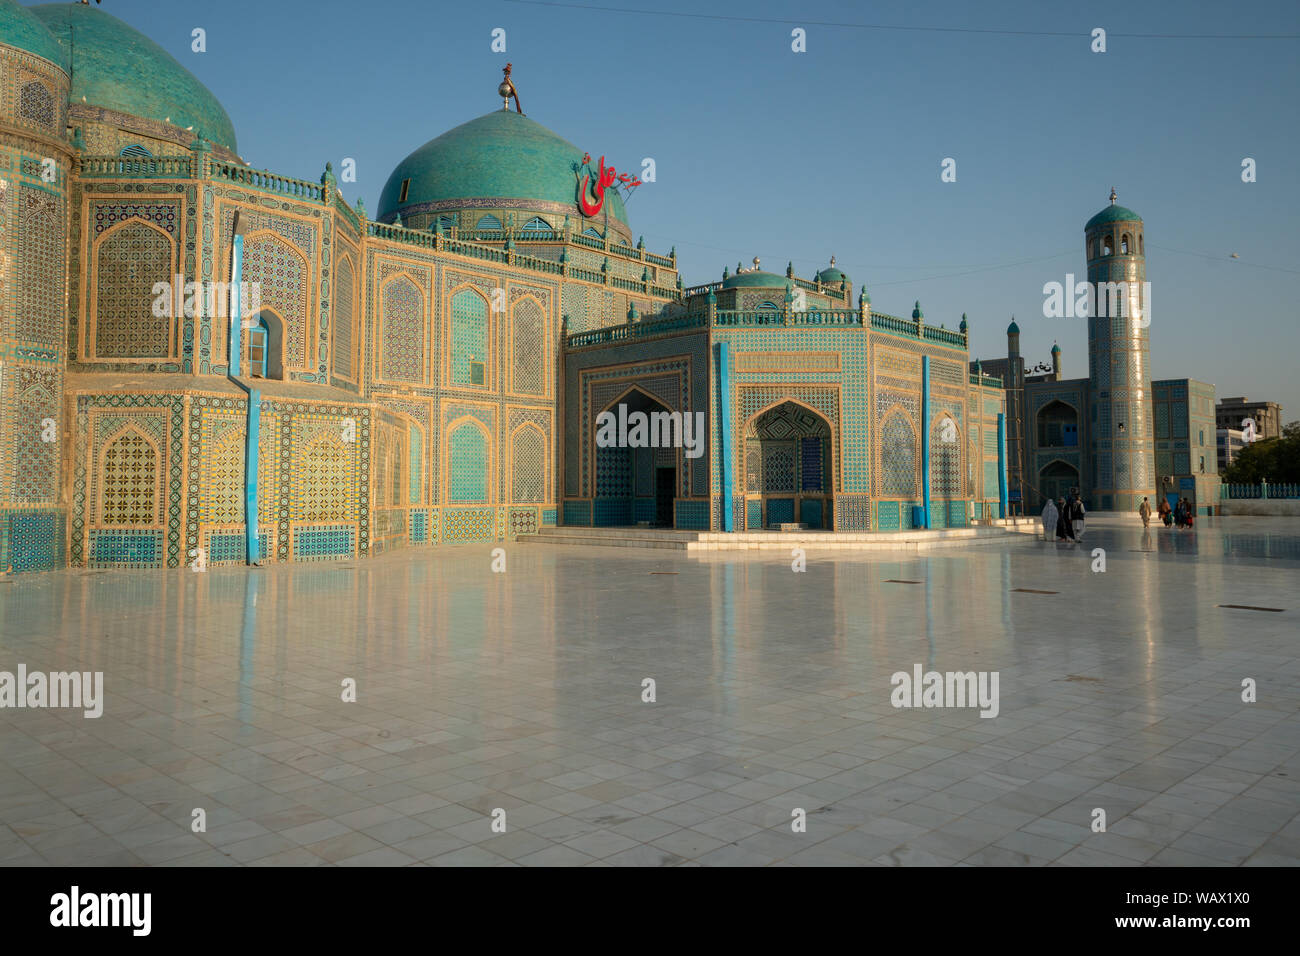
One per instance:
(1013, 329)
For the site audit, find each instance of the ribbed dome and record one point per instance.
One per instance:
(503, 155)
(1113, 213)
(20, 28)
(116, 67)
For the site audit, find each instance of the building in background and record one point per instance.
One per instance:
(1231, 412)
(1101, 434)
(1230, 442)
(1187, 463)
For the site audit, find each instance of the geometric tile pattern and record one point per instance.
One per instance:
(469, 336)
(282, 278)
(529, 375)
(344, 308)
(403, 325)
(468, 524)
(528, 454)
(35, 435)
(898, 457)
(130, 476)
(130, 259)
(467, 456)
(39, 315)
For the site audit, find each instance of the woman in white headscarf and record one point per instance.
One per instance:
(1049, 519)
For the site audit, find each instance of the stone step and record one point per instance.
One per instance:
(633, 539)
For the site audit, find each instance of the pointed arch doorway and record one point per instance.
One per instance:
(637, 482)
(788, 468)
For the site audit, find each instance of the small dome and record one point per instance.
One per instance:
(832, 276)
(501, 155)
(765, 280)
(116, 67)
(1056, 349)
(1113, 213)
(21, 28)
(1013, 329)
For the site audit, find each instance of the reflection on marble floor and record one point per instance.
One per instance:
(523, 691)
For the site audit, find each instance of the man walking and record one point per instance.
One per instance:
(1145, 511)
(1077, 511)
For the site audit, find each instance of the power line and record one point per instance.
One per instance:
(917, 29)
(1222, 258)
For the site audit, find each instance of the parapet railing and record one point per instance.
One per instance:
(917, 330)
(764, 317)
(126, 167)
(638, 330)
(266, 181)
(1263, 490)
(988, 381)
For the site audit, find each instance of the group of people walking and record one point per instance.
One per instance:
(1181, 515)
(1064, 518)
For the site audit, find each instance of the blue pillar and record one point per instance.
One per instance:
(724, 417)
(1002, 464)
(925, 439)
(236, 303)
(250, 475)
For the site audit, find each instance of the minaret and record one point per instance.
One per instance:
(1013, 339)
(1122, 445)
(1056, 362)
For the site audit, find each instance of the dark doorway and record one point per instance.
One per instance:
(665, 487)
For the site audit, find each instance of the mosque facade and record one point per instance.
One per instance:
(435, 374)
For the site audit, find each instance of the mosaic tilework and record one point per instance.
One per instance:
(467, 455)
(130, 470)
(528, 456)
(323, 542)
(344, 317)
(36, 103)
(33, 541)
(126, 548)
(468, 524)
(129, 261)
(469, 336)
(522, 521)
(945, 463)
(228, 547)
(754, 514)
(898, 457)
(693, 515)
(611, 512)
(613, 473)
(221, 474)
(284, 279)
(105, 215)
(36, 460)
(780, 510)
(402, 355)
(529, 343)
(325, 474)
(853, 513)
(548, 516)
(419, 526)
(887, 516)
(577, 513)
(778, 468)
(39, 314)
(810, 464)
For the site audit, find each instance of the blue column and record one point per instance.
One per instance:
(724, 417)
(236, 303)
(925, 439)
(1002, 464)
(250, 475)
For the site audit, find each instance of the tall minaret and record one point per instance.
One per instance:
(1122, 443)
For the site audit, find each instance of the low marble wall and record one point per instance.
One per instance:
(1288, 507)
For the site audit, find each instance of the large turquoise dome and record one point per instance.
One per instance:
(20, 28)
(503, 155)
(116, 67)
(762, 280)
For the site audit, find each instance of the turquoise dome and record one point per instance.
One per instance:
(1013, 329)
(832, 276)
(20, 28)
(116, 67)
(502, 155)
(763, 280)
(1113, 213)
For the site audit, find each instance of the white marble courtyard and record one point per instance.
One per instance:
(522, 691)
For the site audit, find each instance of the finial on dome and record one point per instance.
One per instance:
(756, 263)
(832, 262)
(1113, 197)
(916, 311)
(507, 90)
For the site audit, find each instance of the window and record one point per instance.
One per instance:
(537, 224)
(1123, 244)
(135, 151)
(488, 222)
(589, 231)
(406, 187)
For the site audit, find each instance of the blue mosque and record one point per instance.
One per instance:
(436, 373)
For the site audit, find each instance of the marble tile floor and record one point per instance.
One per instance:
(523, 691)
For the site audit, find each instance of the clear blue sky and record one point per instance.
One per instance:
(762, 151)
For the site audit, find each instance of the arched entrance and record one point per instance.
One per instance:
(637, 462)
(264, 346)
(788, 468)
(1055, 481)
